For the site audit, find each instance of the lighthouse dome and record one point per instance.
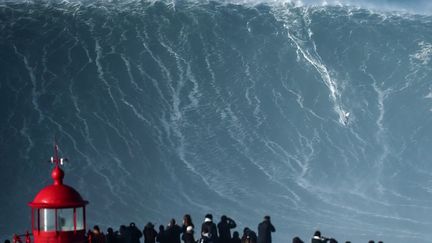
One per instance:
(57, 195)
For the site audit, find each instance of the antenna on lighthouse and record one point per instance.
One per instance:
(56, 159)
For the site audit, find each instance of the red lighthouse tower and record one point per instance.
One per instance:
(58, 210)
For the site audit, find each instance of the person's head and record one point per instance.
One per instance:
(7, 241)
(380, 242)
(236, 235)
(208, 217)
(297, 240)
(132, 224)
(266, 218)
(122, 229)
(110, 230)
(172, 222)
(371, 241)
(317, 233)
(224, 218)
(149, 225)
(96, 229)
(187, 220)
(246, 230)
(161, 228)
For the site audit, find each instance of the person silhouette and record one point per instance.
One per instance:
(224, 227)
(317, 238)
(173, 232)
(122, 236)
(265, 228)
(161, 237)
(249, 236)
(134, 233)
(110, 236)
(187, 221)
(210, 226)
(97, 235)
(149, 233)
(236, 237)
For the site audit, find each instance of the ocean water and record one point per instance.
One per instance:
(172, 107)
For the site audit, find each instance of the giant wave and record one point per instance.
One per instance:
(167, 108)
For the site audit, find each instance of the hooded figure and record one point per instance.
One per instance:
(265, 228)
(210, 227)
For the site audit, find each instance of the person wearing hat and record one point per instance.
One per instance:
(317, 238)
(265, 228)
(210, 227)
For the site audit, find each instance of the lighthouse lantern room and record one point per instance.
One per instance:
(58, 210)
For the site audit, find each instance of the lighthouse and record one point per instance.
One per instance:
(58, 210)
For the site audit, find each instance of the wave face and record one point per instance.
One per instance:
(165, 109)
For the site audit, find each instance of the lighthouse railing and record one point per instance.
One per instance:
(17, 238)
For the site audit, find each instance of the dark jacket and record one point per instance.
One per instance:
(224, 228)
(149, 234)
(188, 237)
(264, 231)
(173, 233)
(161, 237)
(211, 227)
(133, 234)
(206, 238)
(249, 237)
(235, 240)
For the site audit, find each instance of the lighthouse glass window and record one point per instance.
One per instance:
(65, 219)
(79, 218)
(47, 219)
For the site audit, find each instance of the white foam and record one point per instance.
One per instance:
(311, 55)
(423, 54)
(35, 93)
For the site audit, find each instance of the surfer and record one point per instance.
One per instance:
(346, 118)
